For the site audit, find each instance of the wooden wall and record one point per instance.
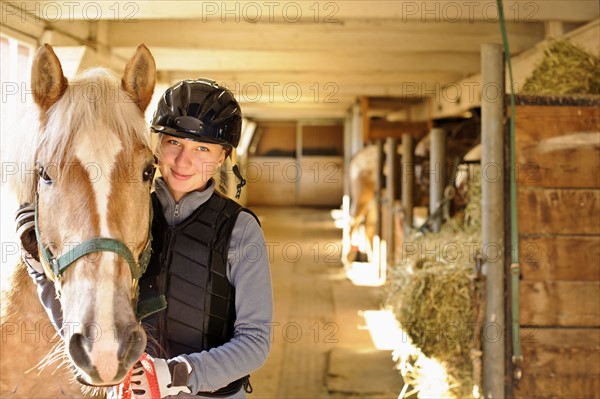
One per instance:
(558, 157)
(296, 164)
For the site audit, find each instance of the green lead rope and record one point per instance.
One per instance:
(515, 269)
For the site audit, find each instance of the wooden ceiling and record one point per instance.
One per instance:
(299, 59)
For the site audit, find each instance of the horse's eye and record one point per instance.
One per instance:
(44, 175)
(148, 174)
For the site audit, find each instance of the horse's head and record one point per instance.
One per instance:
(95, 170)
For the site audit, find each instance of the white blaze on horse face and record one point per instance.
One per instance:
(99, 160)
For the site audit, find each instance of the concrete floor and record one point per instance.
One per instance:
(320, 347)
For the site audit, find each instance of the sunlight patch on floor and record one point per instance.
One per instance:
(384, 329)
(424, 377)
(366, 274)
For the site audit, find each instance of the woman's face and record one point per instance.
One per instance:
(187, 165)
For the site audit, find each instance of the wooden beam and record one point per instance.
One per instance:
(560, 303)
(317, 12)
(559, 363)
(394, 83)
(169, 58)
(558, 147)
(293, 111)
(560, 258)
(387, 35)
(381, 129)
(558, 211)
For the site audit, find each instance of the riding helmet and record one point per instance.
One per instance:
(199, 110)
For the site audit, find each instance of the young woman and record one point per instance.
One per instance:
(209, 259)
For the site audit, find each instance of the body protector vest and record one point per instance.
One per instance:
(189, 266)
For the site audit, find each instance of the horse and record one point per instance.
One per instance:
(463, 135)
(362, 175)
(91, 151)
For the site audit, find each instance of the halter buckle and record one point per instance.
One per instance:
(54, 266)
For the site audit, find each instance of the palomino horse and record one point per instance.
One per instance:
(361, 172)
(94, 163)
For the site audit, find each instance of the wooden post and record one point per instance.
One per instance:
(364, 112)
(408, 182)
(379, 257)
(348, 142)
(379, 184)
(390, 195)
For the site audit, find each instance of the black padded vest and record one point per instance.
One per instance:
(188, 266)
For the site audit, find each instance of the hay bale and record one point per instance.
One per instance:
(434, 304)
(565, 69)
(431, 293)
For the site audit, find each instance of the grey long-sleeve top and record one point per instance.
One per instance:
(248, 271)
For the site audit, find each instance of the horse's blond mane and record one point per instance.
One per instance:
(20, 143)
(92, 97)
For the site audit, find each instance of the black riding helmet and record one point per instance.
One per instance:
(199, 110)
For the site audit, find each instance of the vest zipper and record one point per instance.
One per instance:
(176, 213)
(163, 281)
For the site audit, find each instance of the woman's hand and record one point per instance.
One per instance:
(153, 378)
(25, 220)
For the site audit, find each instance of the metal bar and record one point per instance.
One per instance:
(492, 161)
(437, 176)
(408, 182)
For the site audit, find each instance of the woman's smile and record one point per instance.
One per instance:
(181, 176)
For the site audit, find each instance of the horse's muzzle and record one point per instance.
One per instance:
(91, 368)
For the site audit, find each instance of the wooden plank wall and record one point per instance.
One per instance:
(280, 173)
(558, 160)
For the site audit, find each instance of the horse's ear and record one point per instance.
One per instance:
(47, 80)
(140, 76)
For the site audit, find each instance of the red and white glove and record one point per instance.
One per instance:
(151, 379)
(25, 220)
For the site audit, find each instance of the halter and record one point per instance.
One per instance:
(103, 244)
(98, 244)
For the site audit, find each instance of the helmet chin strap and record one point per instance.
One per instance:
(242, 183)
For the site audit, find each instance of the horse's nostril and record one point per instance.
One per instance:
(132, 348)
(79, 349)
(137, 337)
(91, 334)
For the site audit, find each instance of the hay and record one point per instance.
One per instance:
(565, 69)
(431, 294)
